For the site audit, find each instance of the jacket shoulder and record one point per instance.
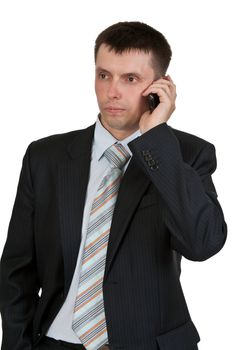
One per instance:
(191, 145)
(187, 138)
(58, 144)
(55, 141)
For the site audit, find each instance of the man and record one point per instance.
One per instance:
(103, 215)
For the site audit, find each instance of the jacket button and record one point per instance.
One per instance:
(145, 153)
(151, 162)
(154, 165)
(148, 157)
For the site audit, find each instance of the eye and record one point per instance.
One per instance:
(131, 78)
(102, 76)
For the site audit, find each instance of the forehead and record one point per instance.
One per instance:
(127, 61)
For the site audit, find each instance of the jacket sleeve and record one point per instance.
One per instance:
(194, 216)
(18, 277)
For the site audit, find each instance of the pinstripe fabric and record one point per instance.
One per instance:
(89, 317)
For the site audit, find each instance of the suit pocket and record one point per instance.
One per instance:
(184, 337)
(148, 200)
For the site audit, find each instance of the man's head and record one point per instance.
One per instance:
(129, 56)
(125, 36)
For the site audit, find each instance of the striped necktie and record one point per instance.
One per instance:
(89, 321)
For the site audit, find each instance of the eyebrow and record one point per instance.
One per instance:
(100, 69)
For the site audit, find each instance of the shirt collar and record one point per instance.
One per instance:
(103, 139)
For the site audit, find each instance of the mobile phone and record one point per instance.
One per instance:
(153, 101)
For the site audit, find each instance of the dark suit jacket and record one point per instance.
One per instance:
(167, 207)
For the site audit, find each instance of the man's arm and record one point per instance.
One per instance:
(194, 216)
(18, 277)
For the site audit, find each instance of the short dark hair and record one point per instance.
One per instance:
(125, 36)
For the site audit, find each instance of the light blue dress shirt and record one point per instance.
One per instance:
(61, 328)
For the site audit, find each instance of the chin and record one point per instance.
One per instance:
(118, 122)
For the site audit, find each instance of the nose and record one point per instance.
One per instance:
(114, 90)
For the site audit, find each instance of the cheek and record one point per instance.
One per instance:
(138, 102)
(133, 97)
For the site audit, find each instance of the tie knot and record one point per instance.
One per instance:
(117, 155)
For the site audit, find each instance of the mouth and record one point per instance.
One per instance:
(114, 110)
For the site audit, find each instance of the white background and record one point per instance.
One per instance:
(46, 87)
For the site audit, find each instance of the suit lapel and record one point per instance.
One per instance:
(73, 181)
(127, 202)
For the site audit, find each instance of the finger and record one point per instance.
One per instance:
(155, 88)
(163, 95)
(161, 83)
(168, 81)
(170, 84)
(163, 88)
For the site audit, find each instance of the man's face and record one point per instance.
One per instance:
(119, 83)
